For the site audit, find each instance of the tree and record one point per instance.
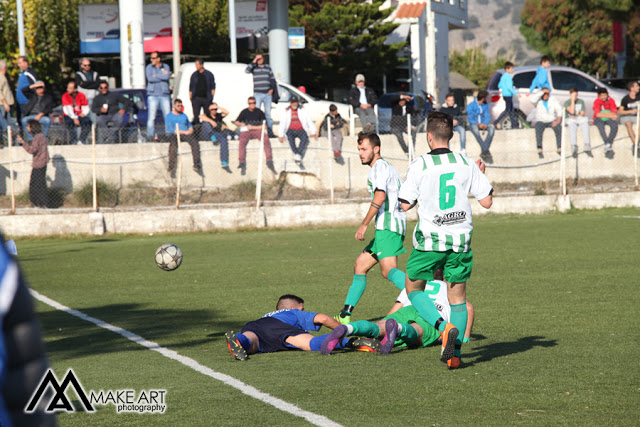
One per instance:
(474, 65)
(579, 33)
(343, 38)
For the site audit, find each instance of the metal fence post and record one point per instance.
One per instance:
(179, 180)
(260, 158)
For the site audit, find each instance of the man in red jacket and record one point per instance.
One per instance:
(75, 107)
(605, 114)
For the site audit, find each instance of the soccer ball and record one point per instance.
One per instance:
(168, 257)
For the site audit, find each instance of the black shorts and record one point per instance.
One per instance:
(272, 334)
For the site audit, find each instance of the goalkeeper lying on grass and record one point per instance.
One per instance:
(403, 326)
(286, 329)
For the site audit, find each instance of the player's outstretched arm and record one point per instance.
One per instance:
(378, 199)
(326, 321)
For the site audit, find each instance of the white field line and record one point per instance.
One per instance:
(315, 419)
(627, 216)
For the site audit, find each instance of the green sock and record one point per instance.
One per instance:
(459, 320)
(356, 290)
(408, 334)
(363, 328)
(397, 278)
(426, 309)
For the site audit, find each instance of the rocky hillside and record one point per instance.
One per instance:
(494, 26)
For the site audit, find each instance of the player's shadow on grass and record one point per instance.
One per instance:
(489, 352)
(72, 337)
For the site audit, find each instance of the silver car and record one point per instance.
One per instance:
(561, 78)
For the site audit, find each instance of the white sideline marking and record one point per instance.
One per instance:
(318, 420)
(627, 216)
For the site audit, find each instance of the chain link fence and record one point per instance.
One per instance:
(132, 175)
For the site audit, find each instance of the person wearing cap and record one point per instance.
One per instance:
(296, 123)
(363, 98)
(605, 114)
(38, 108)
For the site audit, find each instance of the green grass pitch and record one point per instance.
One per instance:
(556, 339)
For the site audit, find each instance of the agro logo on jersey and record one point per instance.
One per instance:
(450, 218)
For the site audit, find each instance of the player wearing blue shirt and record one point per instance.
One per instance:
(542, 77)
(283, 329)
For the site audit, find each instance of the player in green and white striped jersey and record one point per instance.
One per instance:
(390, 221)
(440, 182)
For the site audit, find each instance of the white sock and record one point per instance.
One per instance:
(399, 327)
(349, 329)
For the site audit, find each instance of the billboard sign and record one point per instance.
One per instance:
(100, 28)
(251, 18)
(296, 37)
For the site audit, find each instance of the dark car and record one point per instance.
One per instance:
(620, 83)
(134, 122)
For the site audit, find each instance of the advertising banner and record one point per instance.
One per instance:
(100, 28)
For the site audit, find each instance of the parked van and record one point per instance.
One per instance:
(234, 86)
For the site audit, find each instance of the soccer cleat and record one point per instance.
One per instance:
(331, 341)
(453, 363)
(449, 336)
(235, 348)
(370, 345)
(344, 317)
(391, 330)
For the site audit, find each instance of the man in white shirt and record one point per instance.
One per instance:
(548, 115)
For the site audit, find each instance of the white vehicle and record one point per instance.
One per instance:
(234, 86)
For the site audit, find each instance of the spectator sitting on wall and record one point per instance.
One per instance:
(109, 108)
(452, 109)
(628, 111)
(363, 99)
(605, 114)
(76, 113)
(480, 119)
(38, 108)
(176, 118)
(402, 106)
(548, 115)
(215, 129)
(249, 124)
(296, 123)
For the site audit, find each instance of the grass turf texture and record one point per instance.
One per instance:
(555, 340)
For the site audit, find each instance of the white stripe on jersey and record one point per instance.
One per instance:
(437, 291)
(383, 176)
(441, 184)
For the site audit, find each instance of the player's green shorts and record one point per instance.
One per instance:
(385, 244)
(410, 315)
(457, 265)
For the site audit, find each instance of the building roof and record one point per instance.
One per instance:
(409, 10)
(458, 81)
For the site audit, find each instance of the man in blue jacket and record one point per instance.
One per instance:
(202, 88)
(158, 74)
(479, 119)
(26, 78)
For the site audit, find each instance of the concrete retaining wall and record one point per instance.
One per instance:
(128, 164)
(41, 222)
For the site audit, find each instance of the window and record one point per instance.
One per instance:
(523, 80)
(493, 84)
(565, 80)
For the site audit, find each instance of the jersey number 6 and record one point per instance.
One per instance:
(447, 192)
